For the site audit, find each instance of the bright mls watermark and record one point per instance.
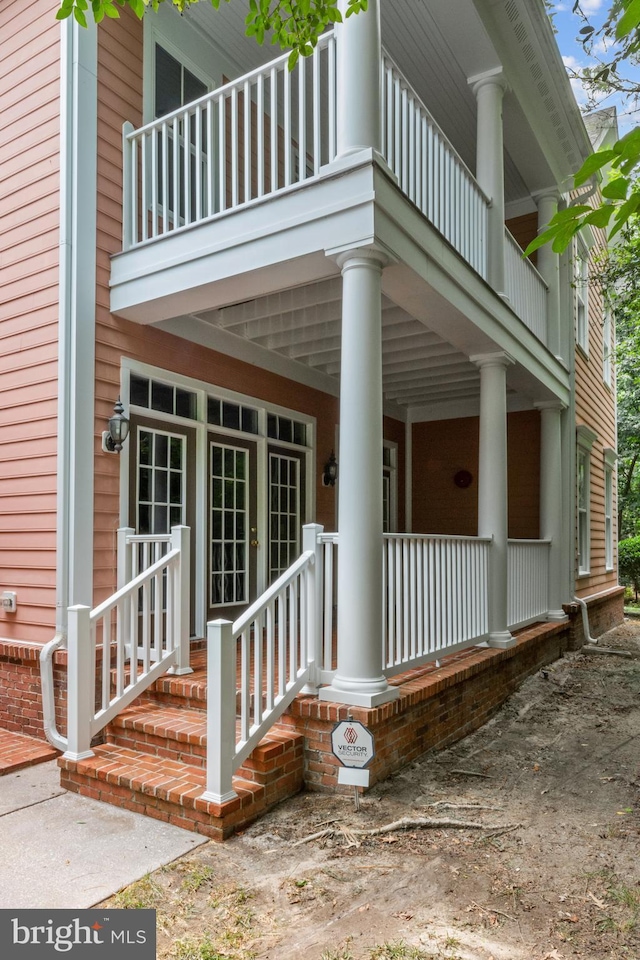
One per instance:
(107, 934)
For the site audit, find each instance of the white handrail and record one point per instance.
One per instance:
(141, 632)
(273, 645)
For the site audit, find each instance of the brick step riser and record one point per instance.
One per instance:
(253, 805)
(258, 769)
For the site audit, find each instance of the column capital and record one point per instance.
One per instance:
(556, 405)
(551, 194)
(373, 256)
(500, 359)
(493, 78)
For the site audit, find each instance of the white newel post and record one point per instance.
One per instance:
(180, 540)
(315, 598)
(221, 711)
(81, 683)
(359, 679)
(551, 498)
(493, 516)
(489, 91)
(359, 66)
(549, 268)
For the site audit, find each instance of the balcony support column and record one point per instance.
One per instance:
(493, 515)
(489, 89)
(549, 268)
(551, 498)
(359, 679)
(359, 66)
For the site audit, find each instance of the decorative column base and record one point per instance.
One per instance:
(557, 616)
(366, 694)
(502, 640)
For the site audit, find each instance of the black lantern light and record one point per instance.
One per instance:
(330, 472)
(115, 436)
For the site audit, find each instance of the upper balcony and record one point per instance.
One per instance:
(263, 149)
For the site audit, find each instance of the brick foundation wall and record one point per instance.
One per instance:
(436, 707)
(21, 688)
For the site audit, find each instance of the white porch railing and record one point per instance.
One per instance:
(527, 581)
(525, 288)
(273, 646)
(435, 591)
(429, 170)
(252, 137)
(127, 642)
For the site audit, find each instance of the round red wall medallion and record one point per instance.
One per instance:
(463, 479)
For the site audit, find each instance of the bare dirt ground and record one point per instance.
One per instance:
(554, 780)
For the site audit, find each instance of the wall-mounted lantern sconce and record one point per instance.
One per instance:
(115, 436)
(330, 472)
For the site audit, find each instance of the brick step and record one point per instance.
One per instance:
(180, 733)
(170, 790)
(17, 751)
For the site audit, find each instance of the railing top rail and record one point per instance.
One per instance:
(283, 581)
(434, 536)
(328, 537)
(413, 91)
(511, 239)
(222, 91)
(130, 587)
(149, 538)
(528, 542)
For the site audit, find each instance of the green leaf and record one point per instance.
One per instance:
(616, 189)
(592, 164)
(629, 20)
(601, 215)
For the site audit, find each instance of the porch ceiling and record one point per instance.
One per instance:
(303, 324)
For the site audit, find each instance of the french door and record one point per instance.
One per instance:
(232, 549)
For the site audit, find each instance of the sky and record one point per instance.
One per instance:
(568, 25)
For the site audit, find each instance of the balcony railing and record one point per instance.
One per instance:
(525, 288)
(273, 129)
(429, 170)
(252, 137)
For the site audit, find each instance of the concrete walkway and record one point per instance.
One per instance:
(62, 850)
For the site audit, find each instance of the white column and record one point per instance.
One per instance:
(493, 515)
(489, 90)
(551, 498)
(359, 679)
(359, 65)
(548, 264)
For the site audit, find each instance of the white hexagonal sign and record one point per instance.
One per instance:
(352, 743)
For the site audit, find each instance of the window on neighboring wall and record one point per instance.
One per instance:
(608, 517)
(607, 360)
(585, 440)
(581, 280)
(389, 509)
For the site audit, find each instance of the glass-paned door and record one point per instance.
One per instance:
(232, 527)
(162, 488)
(286, 509)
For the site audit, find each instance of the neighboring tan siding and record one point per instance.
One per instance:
(29, 185)
(120, 86)
(442, 448)
(595, 408)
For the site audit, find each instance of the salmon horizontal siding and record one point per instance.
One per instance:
(29, 252)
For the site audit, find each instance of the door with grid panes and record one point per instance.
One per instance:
(286, 476)
(162, 493)
(232, 529)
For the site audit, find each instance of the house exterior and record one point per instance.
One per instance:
(270, 267)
